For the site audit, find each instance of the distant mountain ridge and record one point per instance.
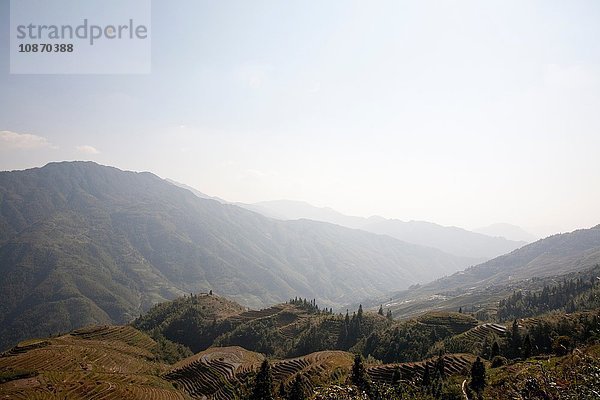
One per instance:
(84, 244)
(549, 258)
(291, 210)
(557, 254)
(453, 240)
(196, 191)
(507, 231)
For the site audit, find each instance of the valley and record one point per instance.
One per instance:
(82, 243)
(122, 362)
(121, 285)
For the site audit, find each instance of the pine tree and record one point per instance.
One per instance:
(380, 312)
(396, 376)
(495, 349)
(515, 340)
(526, 347)
(437, 385)
(440, 365)
(297, 392)
(486, 349)
(426, 380)
(389, 315)
(358, 376)
(263, 383)
(478, 376)
(282, 391)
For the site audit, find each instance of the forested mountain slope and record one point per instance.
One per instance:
(82, 243)
(546, 259)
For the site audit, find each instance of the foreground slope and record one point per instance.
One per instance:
(552, 356)
(82, 243)
(119, 362)
(217, 373)
(103, 362)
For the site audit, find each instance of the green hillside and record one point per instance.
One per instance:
(479, 288)
(82, 243)
(545, 357)
(284, 330)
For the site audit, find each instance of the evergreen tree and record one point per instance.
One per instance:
(396, 376)
(526, 347)
(282, 391)
(495, 349)
(389, 314)
(486, 349)
(478, 376)
(358, 376)
(515, 340)
(380, 312)
(437, 385)
(440, 365)
(297, 392)
(263, 383)
(426, 380)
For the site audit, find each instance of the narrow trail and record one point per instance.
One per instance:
(464, 390)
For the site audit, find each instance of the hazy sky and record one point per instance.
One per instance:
(458, 112)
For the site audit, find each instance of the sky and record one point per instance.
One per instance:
(463, 113)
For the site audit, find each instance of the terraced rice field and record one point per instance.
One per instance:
(453, 322)
(316, 368)
(107, 362)
(65, 354)
(103, 362)
(288, 320)
(475, 339)
(215, 372)
(257, 314)
(125, 334)
(88, 386)
(454, 364)
(480, 332)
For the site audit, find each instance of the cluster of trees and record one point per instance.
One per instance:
(432, 385)
(404, 342)
(352, 329)
(338, 332)
(569, 295)
(388, 315)
(309, 306)
(323, 331)
(556, 334)
(261, 336)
